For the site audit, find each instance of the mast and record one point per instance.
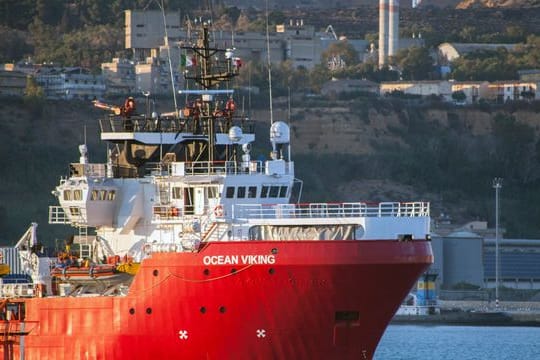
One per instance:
(210, 68)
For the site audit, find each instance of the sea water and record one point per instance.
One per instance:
(410, 342)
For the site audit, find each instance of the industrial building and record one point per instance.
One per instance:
(467, 256)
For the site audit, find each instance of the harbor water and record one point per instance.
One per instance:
(411, 342)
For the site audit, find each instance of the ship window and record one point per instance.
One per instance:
(102, 194)
(77, 194)
(252, 191)
(74, 211)
(229, 192)
(67, 195)
(213, 192)
(94, 195)
(241, 192)
(111, 195)
(274, 191)
(264, 191)
(283, 191)
(177, 192)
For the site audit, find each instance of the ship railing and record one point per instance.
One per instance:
(167, 124)
(140, 123)
(215, 168)
(17, 290)
(92, 170)
(58, 215)
(331, 210)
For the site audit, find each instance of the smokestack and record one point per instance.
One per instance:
(383, 37)
(393, 27)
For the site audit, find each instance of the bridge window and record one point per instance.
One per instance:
(229, 192)
(102, 194)
(264, 191)
(111, 195)
(252, 192)
(67, 195)
(177, 193)
(77, 194)
(241, 192)
(274, 191)
(213, 192)
(283, 191)
(94, 195)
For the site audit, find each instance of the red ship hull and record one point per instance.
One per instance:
(289, 300)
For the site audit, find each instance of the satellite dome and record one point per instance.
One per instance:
(235, 134)
(280, 133)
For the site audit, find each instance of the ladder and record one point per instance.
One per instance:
(85, 247)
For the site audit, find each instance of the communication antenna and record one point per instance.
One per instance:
(269, 66)
(169, 57)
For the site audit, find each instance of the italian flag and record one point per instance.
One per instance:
(187, 61)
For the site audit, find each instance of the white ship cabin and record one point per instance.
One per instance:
(172, 205)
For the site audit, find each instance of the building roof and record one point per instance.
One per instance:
(451, 51)
(464, 234)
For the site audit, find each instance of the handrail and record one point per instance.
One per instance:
(331, 210)
(58, 215)
(163, 124)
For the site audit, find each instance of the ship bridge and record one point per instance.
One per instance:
(168, 129)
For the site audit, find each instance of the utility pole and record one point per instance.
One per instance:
(497, 185)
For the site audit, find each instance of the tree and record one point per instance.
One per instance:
(319, 75)
(342, 50)
(415, 63)
(16, 14)
(32, 88)
(14, 44)
(50, 11)
(459, 96)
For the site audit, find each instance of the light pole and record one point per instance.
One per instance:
(497, 185)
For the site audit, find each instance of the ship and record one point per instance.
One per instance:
(186, 247)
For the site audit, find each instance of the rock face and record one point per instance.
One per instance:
(465, 4)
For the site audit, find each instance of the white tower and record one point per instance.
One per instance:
(388, 30)
(383, 34)
(393, 27)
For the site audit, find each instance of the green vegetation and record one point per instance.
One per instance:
(447, 164)
(89, 32)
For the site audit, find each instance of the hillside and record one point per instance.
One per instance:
(346, 151)
(460, 4)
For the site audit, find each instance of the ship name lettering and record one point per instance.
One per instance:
(258, 259)
(220, 260)
(244, 259)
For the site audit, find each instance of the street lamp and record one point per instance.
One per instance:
(497, 185)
